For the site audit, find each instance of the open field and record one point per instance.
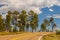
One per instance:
(25, 36)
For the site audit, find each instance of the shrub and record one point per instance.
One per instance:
(58, 32)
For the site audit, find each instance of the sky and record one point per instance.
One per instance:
(47, 13)
(44, 8)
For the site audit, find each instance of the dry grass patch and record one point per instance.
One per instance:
(10, 33)
(52, 37)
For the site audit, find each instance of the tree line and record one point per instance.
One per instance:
(50, 23)
(19, 21)
(23, 21)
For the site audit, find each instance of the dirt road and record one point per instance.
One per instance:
(25, 36)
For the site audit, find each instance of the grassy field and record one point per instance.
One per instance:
(52, 37)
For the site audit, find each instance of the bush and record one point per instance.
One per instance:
(58, 32)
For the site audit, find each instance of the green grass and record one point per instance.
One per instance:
(52, 37)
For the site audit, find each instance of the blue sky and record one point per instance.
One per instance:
(46, 12)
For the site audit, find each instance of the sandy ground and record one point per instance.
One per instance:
(25, 36)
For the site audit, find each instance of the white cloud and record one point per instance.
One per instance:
(51, 10)
(55, 16)
(36, 5)
(49, 16)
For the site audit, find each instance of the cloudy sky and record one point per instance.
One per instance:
(44, 8)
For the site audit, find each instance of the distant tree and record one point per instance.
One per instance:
(8, 21)
(2, 27)
(27, 26)
(43, 27)
(15, 15)
(54, 26)
(15, 29)
(45, 24)
(34, 20)
(22, 22)
(52, 22)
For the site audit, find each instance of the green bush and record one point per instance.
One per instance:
(58, 32)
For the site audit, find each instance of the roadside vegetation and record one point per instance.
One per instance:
(58, 32)
(48, 23)
(55, 36)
